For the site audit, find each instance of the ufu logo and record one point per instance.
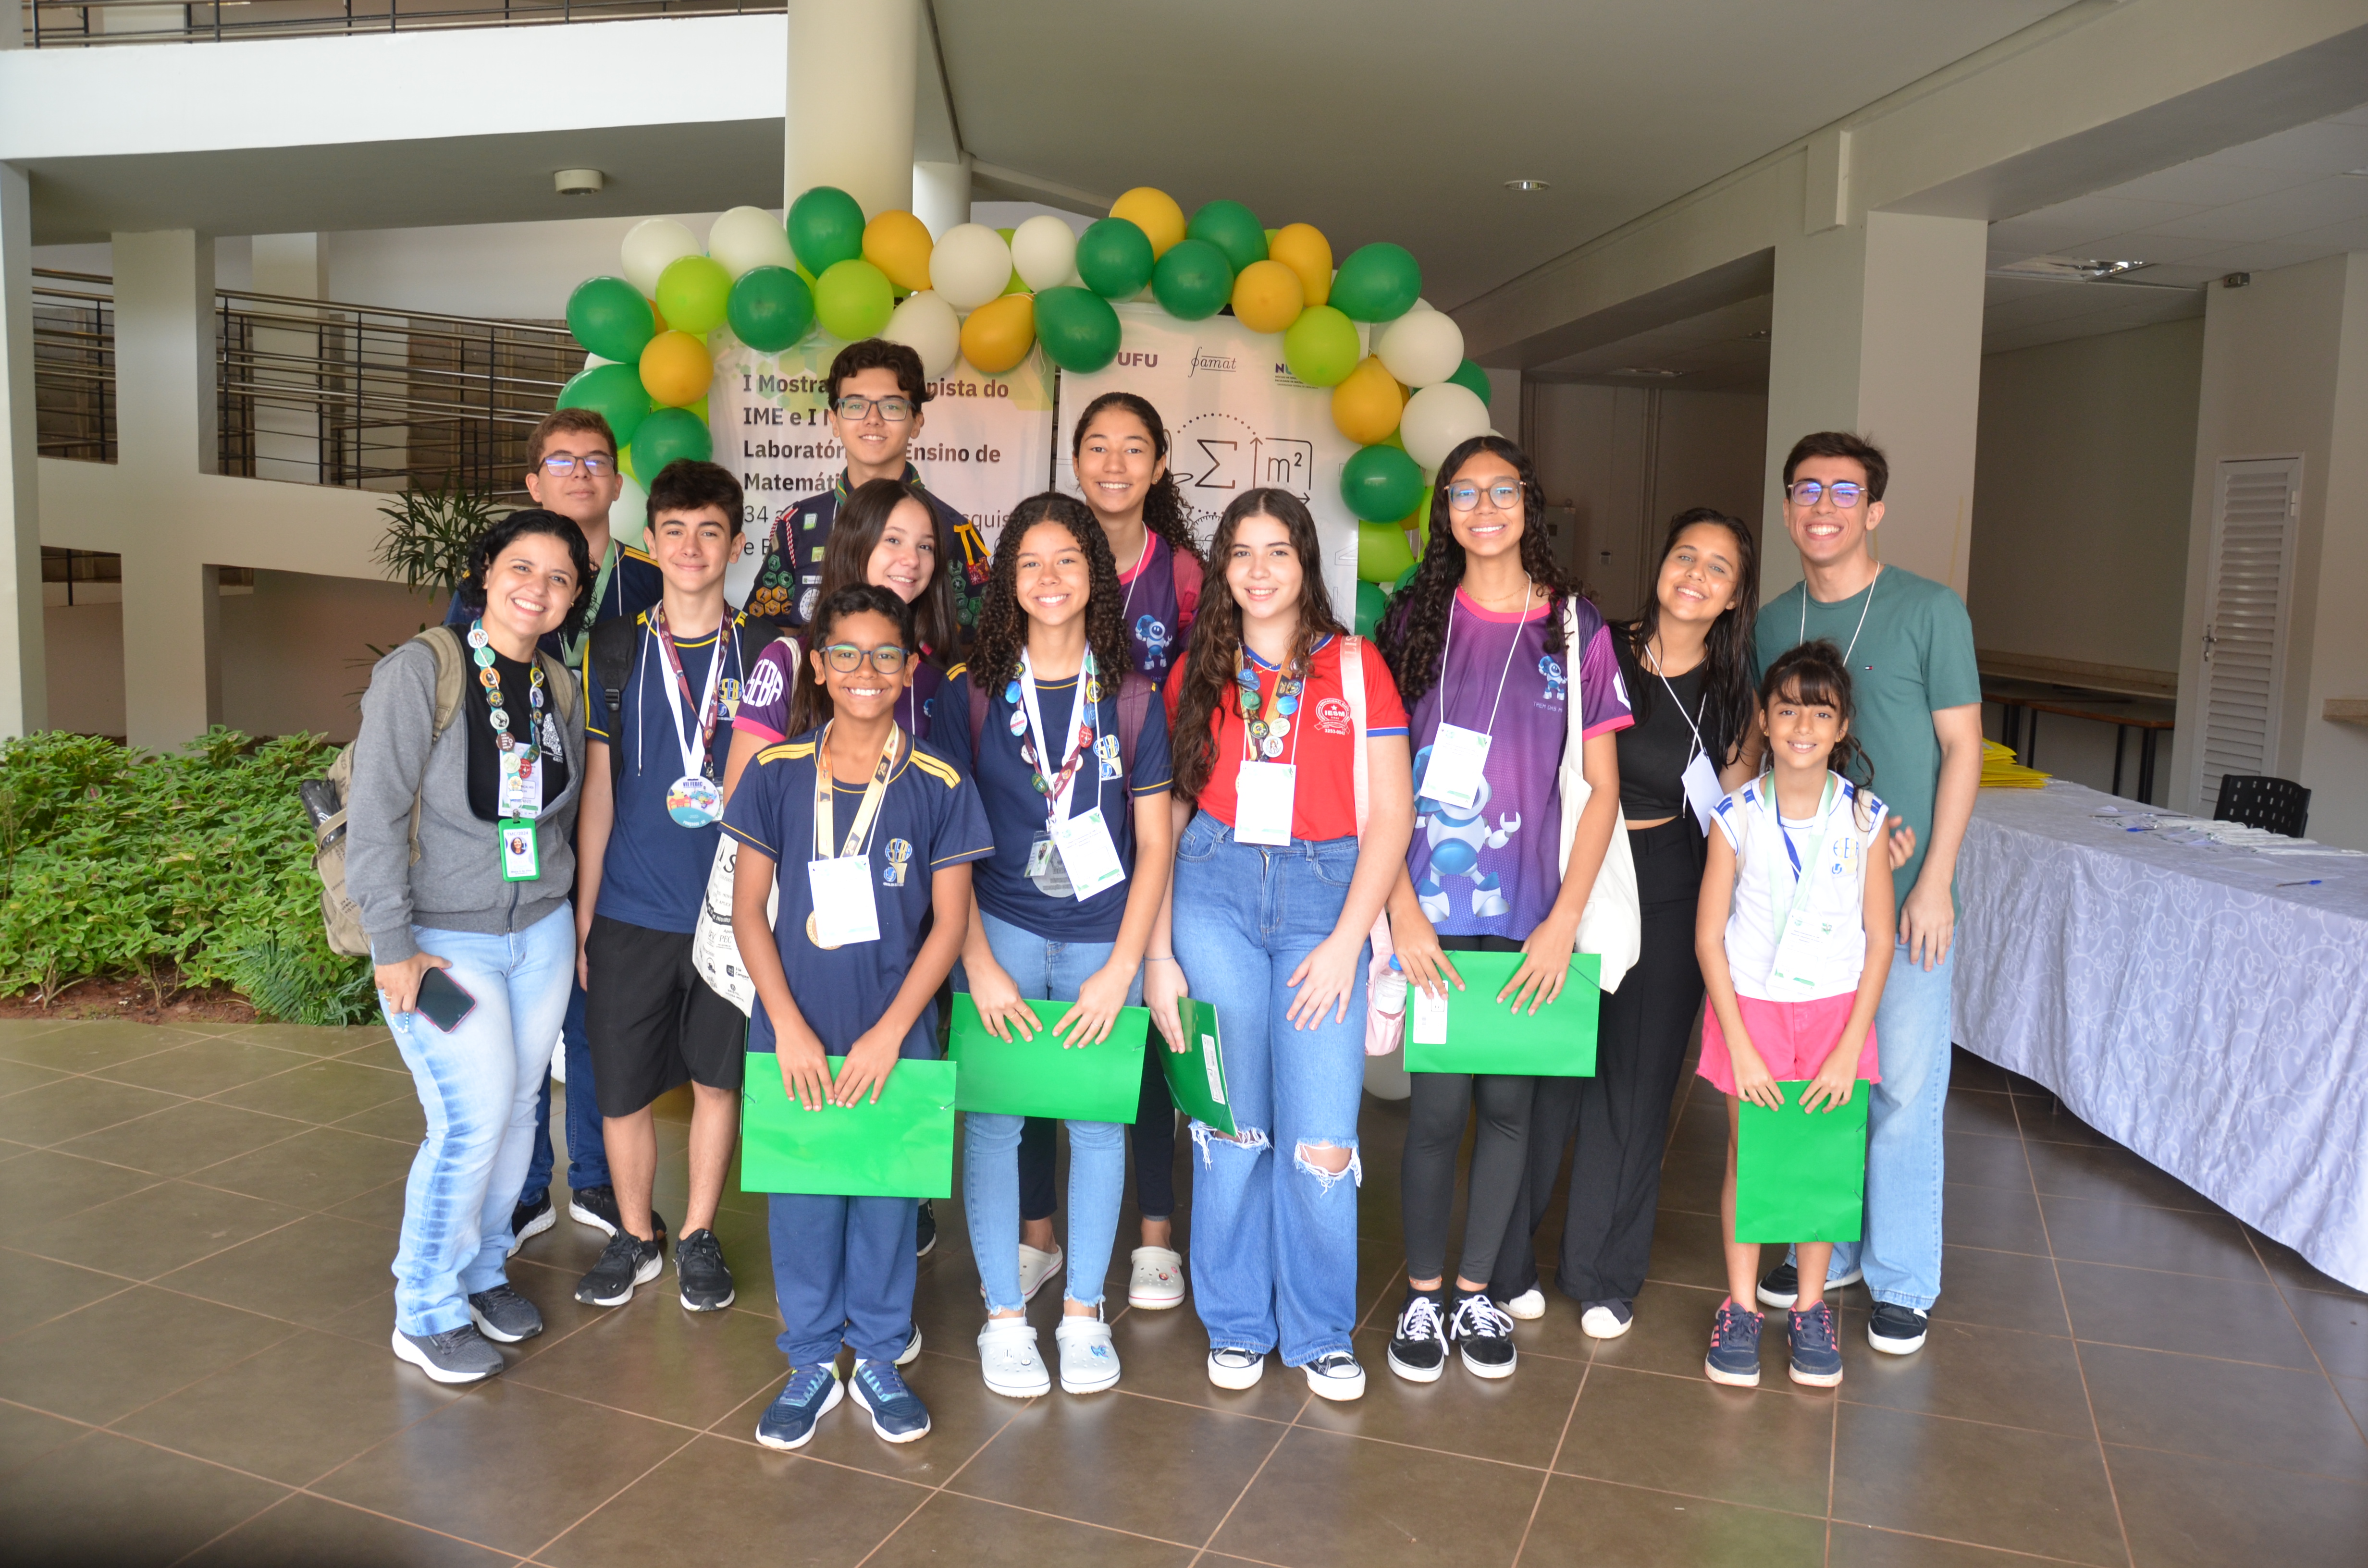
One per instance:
(1201, 361)
(1138, 356)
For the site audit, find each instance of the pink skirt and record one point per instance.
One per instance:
(1793, 1038)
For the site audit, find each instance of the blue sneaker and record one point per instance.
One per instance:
(898, 1414)
(1733, 1347)
(1816, 1360)
(789, 1420)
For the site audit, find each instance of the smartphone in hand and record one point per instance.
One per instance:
(443, 1000)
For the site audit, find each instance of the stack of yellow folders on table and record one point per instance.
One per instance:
(2000, 771)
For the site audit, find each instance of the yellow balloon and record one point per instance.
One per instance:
(1156, 213)
(676, 369)
(999, 334)
(898, 243)
(1267, 297)
(1302, 248)
(1366, 406)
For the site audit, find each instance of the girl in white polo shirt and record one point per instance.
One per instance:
(1794, 937)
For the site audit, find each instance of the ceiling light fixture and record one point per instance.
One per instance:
(578, 182)
(1526, 186)
(2070, 269)
(1650, 372)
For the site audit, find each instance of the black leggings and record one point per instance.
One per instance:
(1435, 1135)
(1153, 1135)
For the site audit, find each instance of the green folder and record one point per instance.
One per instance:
(1799, 1176)
(1196, 1076)
(902, 1146)
(1484, 1035)
(1041, 1076)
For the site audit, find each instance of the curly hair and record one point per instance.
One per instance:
(1003, 620)
(506, 531)
(1815, 674)
(810, 704)
(847, 561)
(1727, 715)
(1415, 634)
(1215, 648)
(1162, 508)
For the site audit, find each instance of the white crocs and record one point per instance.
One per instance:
(1009, 1362)
(1088, 1361)
(1035, 1268)
(1158, 1281)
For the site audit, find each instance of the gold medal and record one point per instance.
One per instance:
(813, 935)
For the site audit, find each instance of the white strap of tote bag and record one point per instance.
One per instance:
(1610, 926)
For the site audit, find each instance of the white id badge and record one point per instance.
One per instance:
(842, 907)
(1428, 1023)
(1452, 775)
(1262, 796)
(1702, 792)
(1088, 853)
(520, 790)
(1807, 950)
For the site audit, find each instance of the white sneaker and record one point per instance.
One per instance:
(1232, 1369)
(1157, 1283)
(1528, 1306)
(1088, 1361)
(1336, 1375)
(1035, 1268)
(1008, 1359)
(1606, 1322)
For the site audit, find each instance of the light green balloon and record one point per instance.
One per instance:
(693, 292)
(853, 300)
(1320, 346)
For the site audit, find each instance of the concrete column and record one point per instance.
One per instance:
(288, 434)
(1877, 328)
(165, 425)
(941, 195)
(848, 120)
(24, 676)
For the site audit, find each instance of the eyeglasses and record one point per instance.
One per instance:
(847, 658)
(1504, 495)
(853, 408)
(1805, 492)
(559, 465)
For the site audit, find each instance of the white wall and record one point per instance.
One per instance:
(84, 645)
(297, 652)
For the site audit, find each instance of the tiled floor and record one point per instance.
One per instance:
(194, 1307)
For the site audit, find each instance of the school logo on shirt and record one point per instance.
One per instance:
(1106, 751)
(1557, 683)
(1332, 716)
(728, 693)
(899, 854)
(764, 688)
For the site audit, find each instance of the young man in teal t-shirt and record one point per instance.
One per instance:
(1909, 646)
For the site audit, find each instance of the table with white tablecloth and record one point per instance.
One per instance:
(2180, 1001)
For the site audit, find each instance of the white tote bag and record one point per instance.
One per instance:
(714, 951)
(1611, 926)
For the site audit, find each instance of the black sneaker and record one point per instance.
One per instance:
(503, 1315)
(925, 1231)
(1779, 1287)
(457, 1355)
(529, 1220)
(1419, 1343)
(595, 1208)
(1482, 1333)
(1895, 1330)
(625, 1262)
(699, 1265)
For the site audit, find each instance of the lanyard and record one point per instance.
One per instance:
(1802, 880)
(694, 757)
(1529, 590)
(874, 794)
(1126, 605)
(1804, 634)
(1692, 723)
(1058, 789)
(573, 653)
(1261, 729)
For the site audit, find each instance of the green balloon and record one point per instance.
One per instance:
(1381, 484)
(1320, 346)
(667, 436)
(770, 309)
(853, 300)
(612, 391)
(825, 228)
(1077, 328)
(692, 293)
(1372, 604)
(1473, 379)
(1114, 259)
(1378, 282)
(1193, 280)
(610, 317)
(1231, 228)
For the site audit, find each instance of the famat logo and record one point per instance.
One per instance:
(1219, 362)
(1137, 357)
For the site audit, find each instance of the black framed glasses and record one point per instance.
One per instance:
(1806, 492)
(559, 465)
(847, 658)
(1504, 495)
(855, 408)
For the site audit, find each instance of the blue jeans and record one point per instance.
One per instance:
(588, 1150)
(1274, 1260)
(1904, 1149)
(843, 1273)
(477, 1085)
(1052, 972)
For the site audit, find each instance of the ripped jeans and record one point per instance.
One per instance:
(1274, 1240)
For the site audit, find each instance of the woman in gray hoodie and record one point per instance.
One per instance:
(459, 858)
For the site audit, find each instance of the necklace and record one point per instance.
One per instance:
(1267, 728)
(497, 713)
(1803, 635)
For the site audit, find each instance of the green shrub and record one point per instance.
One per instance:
(115, 862)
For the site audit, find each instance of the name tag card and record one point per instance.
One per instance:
(1263, 799)
(1703, 793)
(521, 855)
(1458, 756)
(1088, 853)
(842, 907)
(519, 791)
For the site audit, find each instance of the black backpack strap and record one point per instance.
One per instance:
(616, 645)
(977, 715)
(1135, 691)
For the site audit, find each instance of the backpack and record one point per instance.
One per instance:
(616, 648)
(324, 798)
(1135, 691)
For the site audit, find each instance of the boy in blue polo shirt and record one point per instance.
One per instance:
(884, 852)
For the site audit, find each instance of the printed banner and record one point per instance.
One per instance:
(1236, 418)
(984, 443)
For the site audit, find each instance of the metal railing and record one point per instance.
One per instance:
(321, 391)
(59, 23)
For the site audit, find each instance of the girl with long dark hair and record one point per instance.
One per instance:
(1503, 661)
(1280, 875)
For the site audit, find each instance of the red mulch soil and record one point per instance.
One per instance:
(133, 999)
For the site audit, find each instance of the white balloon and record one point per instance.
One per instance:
(749, 237)
(649, 246)
(1438, 419)
(928, 326)
(629, 514)
(1422, 348)
(970, 266)
(1044, 249)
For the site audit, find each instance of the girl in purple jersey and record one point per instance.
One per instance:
(1486, 644)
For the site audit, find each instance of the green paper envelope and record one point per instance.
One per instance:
(1799, 1176)
(1487, 1036)
(1041, 1077)
(901, 1147)
(1196, 1076)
